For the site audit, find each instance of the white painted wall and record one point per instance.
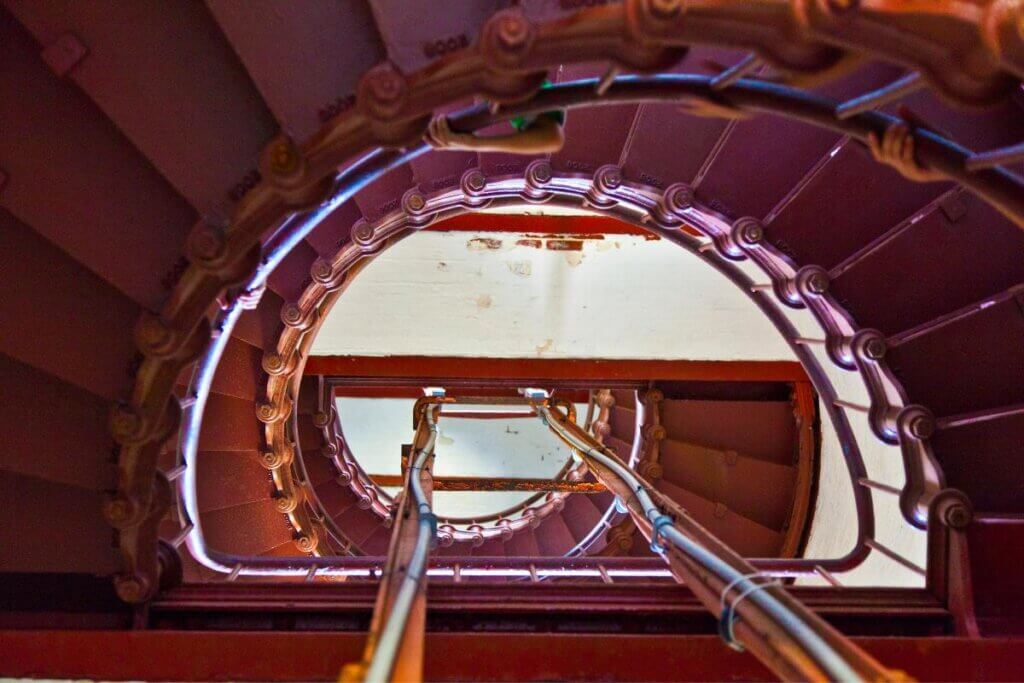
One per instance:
(520, 447)
(446, 293)
(451, 294)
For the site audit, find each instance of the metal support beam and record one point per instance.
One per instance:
(496, 484)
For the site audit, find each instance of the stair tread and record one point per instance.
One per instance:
(204, 127)
(265, 527)
(765, 430)
(53, 527)
(77, 452)
(229, 478)
(302, 39)
(743, 535)
(73, 163)
(757, 489)
(81, 326)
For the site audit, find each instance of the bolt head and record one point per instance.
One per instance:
(958, 516)
(416, 202)
(818, 283)
(475, 181)
(875, 348)
(922, 427)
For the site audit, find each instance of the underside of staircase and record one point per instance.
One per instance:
(125, 127)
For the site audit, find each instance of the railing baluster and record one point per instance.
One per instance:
(827, 575)
(605, 576)
(880, 97)
(183, 534)
(607, 80)
(235, 571)
(894, 556)
(997, 157)
(878, 486)
(840, 403)
(745, 66)
(175, 472)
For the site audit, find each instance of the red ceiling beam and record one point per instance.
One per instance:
(315, 656)
(445, 367)
(542, 226)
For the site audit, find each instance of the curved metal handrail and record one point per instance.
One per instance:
(797, 645)
(639, 34)
(140, 427)
(632, 205)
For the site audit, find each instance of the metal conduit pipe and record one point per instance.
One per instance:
(391, 635)
(814, 657)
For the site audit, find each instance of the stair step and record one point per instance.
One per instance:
(553, 536)
(47, 526)
(757, 489)
(74, 325)
(204, 127)
(974, 269)
(580, 515)
(261, 327)
(765, 430)
(986, 377)
(623, 422)
(290, 39)
(264, 528)
(79, 177)
(523, 544)
(743, 535)
(34, 402)
(239, 372)
(230, 424)
(228, 478)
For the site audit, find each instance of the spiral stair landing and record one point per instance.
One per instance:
(117, 133)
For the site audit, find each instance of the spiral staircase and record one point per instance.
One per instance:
(127, 130)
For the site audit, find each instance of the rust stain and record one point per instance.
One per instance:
(484, 301)
(532, 243)
(483, 244)
(565, 245)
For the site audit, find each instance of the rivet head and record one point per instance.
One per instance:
(665, 9)
(363, 233)
(513, 30)
(385, 84)
(307, 543)
(416, 202)
(273, 363)
(751, 231)
(131, 588)
(118, 511)
(125, 423)
(266, 412)
(283, 157)
(206, 243)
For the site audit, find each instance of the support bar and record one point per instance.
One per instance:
(496, 484)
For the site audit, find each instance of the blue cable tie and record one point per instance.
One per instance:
(659, 523)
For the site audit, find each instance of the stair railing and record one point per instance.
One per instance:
(394, 647)
(758, 616)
